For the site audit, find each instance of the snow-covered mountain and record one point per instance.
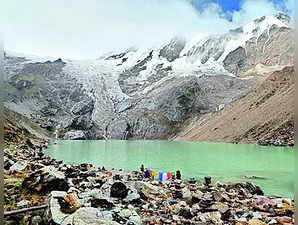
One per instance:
(146, 92)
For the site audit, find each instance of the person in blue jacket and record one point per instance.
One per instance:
(147, 174)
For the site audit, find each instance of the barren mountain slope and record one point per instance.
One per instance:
(265, 115)
(18, 127)
(143, 93)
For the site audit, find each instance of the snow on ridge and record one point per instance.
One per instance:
(92, 73)
(30, 57)
(249, 32)
(252, 29)
(96, 73)
(192, 62)
(266, 23)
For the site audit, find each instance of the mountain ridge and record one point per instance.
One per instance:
(141, 93)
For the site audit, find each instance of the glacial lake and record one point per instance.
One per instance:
(271, 168)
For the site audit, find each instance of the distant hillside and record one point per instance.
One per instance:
(17, 128)
(264, 116)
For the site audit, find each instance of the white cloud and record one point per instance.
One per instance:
(252, 9)
(85, 29)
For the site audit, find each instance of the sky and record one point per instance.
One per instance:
(86, 29)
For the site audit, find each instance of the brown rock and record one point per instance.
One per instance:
(69, 203)
(284, 220)
(256, 222)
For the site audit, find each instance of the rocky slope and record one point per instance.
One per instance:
(264, 116)
(145, 93)
(17, 128)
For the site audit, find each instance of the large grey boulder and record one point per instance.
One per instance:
(99, 214)
(75, 135)
(89, 215)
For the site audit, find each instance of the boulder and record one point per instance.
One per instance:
(132, 196)
(131, 216)
(53, 214)
(45, 180)
(23, 203)
(100, 212)
(256, 222)
(36, 220)
(69, 203)
(118, 190)
(186, 213)
(18, 166)
(88, 216)
(284, 220)
(7, 163)
(186, 194)
(102, 203)
(150, 191)
(75, 135)
(247, 188)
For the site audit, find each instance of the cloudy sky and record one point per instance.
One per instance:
(79, 29)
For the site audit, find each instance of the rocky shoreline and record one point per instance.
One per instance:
(84, 194)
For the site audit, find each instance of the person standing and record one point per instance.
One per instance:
(142, 168)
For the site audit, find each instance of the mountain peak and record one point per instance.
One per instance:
(283, 17)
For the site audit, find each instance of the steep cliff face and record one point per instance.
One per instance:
(141, 93)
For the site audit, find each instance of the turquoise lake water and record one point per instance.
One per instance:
(270, 167)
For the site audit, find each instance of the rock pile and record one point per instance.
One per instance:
(84, 194)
